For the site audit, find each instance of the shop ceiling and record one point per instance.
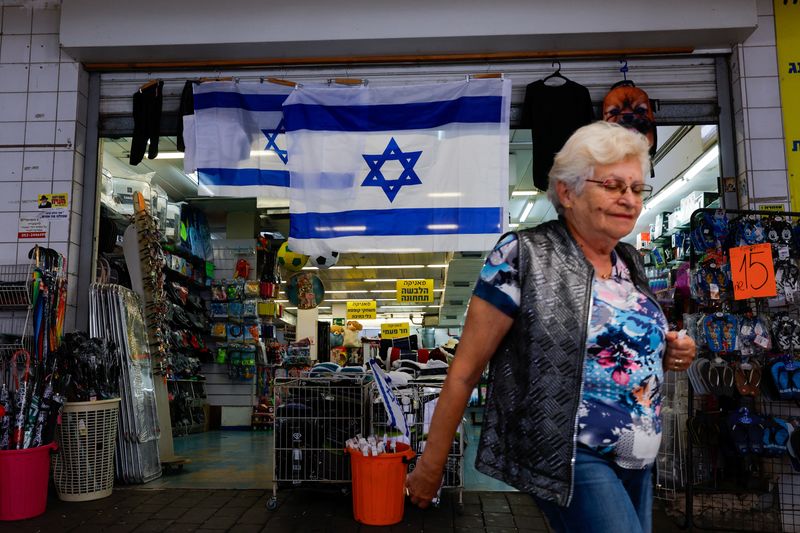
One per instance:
(118, 32)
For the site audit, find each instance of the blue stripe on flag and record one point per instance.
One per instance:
(390, 117)
(243, 177)
(412, 221)
(250, 102)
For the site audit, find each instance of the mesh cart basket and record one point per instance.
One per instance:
(314, 417)
(419, 400)
(83, 468)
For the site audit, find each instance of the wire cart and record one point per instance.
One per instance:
(418, 400)
(314, 417)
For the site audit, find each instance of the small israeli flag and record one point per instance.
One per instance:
(416, 168)
(240, 146)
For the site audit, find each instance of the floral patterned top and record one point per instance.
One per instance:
(619, 415)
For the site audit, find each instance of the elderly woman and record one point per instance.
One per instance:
(578, 348)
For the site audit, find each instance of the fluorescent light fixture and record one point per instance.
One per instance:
(310, 268)
(701, 163)
(170, 155)
(442, 226)
(263, 153)
(444, 194)
(348, 228)
(368, 267)
(395, 307)
(338, 299)
(341, 292)
(281, 301)
(678, 183)
(380, 280)
(513, 225)
(524, 193)
(334, 267)
(290, 308)
(382, 290)
(526, 211)
(437, 266)
(384, 250)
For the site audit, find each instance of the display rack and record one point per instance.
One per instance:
(734, 484)
(15, 286)
(314, 417)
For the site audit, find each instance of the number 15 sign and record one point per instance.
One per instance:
(752, 272)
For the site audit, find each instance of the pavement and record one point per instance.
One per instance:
(300, 510)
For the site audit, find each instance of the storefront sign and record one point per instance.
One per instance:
(32, 227)
(362, 309)
(52, 206)
(395, 330)
(415, 290)
(787, 38)
(771, 207)
(752, 272)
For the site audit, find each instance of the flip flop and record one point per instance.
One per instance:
(738, 424)
(721, 377)
(748, 378)
(780, 377)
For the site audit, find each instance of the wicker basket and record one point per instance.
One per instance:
(83, 468)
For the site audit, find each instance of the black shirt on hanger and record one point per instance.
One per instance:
(553, 113)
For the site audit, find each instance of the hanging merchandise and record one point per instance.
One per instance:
(115, 314)
(233, 122)
(745, 381)
(269, 279)
(554, 108)
(146, 120)
(305, 290)
(348, 196)
(629, 106)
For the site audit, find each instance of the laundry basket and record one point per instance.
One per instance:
(83, 468)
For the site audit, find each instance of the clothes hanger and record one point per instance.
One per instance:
(148, 84)
(557, 76)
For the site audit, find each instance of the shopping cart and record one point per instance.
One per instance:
(314, 417)
(418, 400)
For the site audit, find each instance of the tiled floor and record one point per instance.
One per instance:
(301, 511)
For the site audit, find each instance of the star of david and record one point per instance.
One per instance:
(375, 177)
(272, 137)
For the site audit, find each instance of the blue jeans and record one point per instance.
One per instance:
(606, 499)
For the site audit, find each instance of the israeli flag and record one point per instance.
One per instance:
(416, 168)
(240, 147)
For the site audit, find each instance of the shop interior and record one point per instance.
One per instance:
(219, 388)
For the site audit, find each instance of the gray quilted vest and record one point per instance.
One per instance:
(536, 375)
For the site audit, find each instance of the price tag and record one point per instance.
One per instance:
(752, 272)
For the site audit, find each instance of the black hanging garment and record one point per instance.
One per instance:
(553, 113)
(186, 107)
(146, 121)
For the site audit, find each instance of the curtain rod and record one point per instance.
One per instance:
(410, 58)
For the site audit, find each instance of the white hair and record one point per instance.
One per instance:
(599, 143)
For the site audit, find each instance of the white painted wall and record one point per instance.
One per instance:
(114, 30)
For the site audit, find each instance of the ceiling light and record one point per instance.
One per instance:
(701, 163)
(437, 266)
(340, 292)
(525, 212)
(444, 194)
(513, 225)
(442, 226)
(338, 299)
(380, 280)
(524, 193)
(341, 267)
(676, 184)
(367, 267)
(382, 290)
(385, 299)
(170, 155)
(281, 301)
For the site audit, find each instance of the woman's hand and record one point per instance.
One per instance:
(423, 483)
(680, 352)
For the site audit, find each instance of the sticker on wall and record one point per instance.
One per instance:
(53, 206)
(32, 227)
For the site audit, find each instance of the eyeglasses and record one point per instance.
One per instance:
(618, 186)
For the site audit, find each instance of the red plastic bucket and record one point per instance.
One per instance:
(379, 486)
(23, 482)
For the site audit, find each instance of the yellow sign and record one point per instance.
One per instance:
(395, 330)
(415, 290)
(362, 309)
(787, 22)
(771, 207)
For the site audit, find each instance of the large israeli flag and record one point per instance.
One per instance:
(416, 168)
(240, 147)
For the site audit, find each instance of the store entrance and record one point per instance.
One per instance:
(234, 324)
